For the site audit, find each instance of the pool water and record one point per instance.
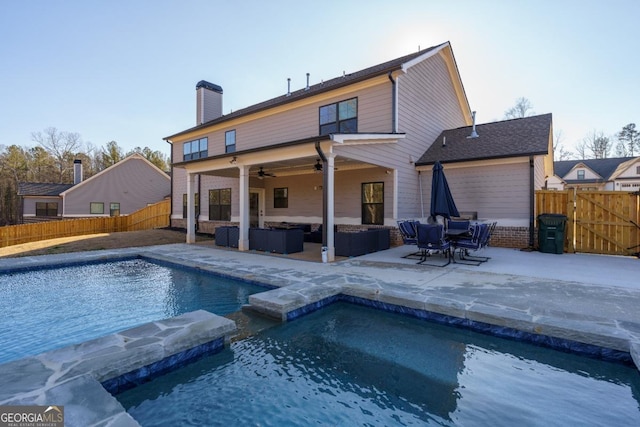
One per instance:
(353, 365)
(51, 308)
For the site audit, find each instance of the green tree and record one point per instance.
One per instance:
(628, 141)
(41, 165)
(154, 156)
(111, 154)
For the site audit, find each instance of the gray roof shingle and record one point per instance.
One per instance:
(509, 138)
(41, 189)
(603, 167)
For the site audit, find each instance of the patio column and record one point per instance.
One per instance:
(331, 250)
(243, 241)
(191, 208)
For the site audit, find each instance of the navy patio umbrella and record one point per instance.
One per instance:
(441, 199)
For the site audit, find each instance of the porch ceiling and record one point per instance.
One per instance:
(288, 167)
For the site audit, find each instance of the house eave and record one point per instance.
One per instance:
(366, 138)
(476, 159)
(254, 150)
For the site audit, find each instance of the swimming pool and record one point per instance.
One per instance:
(353, 365)
(51, 308)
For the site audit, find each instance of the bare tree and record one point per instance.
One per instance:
(523, 108)
(63, 146)
(559, 152)
(598, 144)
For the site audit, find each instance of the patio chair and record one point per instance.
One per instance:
(459, 224)
(479, 239)
(408, 231)
(431, 239)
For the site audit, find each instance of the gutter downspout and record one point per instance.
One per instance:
(172, 176)
(199, 207)
(324, 193)
(532, 201)
(393, 103)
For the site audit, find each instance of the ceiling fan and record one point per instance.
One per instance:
(262, 174)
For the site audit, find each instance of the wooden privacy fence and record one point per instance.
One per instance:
(149, 217)
(599, 222)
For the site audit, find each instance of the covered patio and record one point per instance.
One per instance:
(290, 162)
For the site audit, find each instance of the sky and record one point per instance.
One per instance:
(126, 70)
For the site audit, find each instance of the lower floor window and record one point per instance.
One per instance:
(114, 209)
(96, 208)
(373, 203)
(46, 209)
(281, 197)
(184, 205)
(220, 204)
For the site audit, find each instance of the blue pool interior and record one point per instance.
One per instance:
(348, 364)
(50, 308)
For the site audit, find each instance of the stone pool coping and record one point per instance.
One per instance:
(81, 377)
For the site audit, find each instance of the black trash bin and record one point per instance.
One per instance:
(551, 233)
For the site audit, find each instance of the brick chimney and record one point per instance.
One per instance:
(208, 102)
(77, 171)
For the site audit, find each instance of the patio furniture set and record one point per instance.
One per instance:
(455, 236)
(289, 238)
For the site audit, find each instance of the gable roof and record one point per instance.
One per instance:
(41, 189)
(603, 167)
(335, 83)
(134, 156)
(509, 138)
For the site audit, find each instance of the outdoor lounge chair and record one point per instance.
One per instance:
(409, 233)
(431, 239)
(479, 239)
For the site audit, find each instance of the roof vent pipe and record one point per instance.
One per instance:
(444, 141)
(474, 134)
(307, 88)
(288, 86)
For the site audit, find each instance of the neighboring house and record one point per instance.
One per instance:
(493, 170)
(41, 201)
(615, 174)
(342, 152)
(121, 189)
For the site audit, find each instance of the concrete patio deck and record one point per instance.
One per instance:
(587, 299)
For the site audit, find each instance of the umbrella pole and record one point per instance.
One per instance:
(421, 195)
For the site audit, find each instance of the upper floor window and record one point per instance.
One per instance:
(341, 117)
(230, 141)
(637, 170)
(580, 173)
(196, 149)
